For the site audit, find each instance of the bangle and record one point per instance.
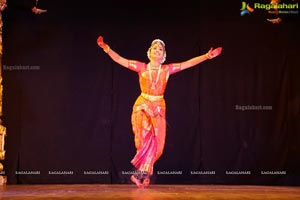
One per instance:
(207, 56)
(106, 49)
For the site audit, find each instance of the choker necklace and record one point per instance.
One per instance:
(153, 84)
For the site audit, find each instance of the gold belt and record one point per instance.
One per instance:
(152, 97)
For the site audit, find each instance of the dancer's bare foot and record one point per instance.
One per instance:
(136, 181)
(146, 182)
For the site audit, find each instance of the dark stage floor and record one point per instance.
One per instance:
(99, 191)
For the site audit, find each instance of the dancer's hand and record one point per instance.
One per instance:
(213, 52)
(275, 21)
(37, 11)
(101, 43)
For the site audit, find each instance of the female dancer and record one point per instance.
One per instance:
(148, 115)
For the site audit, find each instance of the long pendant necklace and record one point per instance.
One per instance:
(153, 84)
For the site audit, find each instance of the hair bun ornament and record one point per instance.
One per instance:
(158, 40)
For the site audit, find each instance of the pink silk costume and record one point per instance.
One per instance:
(148, 114)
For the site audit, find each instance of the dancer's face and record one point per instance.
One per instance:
(157, 52)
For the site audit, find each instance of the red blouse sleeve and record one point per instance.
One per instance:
(174, 67)
(136, 65)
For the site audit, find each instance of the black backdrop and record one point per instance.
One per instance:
(68, 115)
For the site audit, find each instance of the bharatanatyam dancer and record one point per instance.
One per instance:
(148, 117)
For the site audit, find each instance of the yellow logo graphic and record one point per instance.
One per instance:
(246, 9)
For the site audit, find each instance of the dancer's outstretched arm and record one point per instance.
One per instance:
(212, 53)
(114, 55)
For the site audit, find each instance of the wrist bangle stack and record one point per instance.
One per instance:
(207, 56)
(106, 49)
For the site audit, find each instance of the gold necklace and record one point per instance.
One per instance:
(153, 84)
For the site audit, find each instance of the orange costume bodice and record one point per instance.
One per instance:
(153, 82)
